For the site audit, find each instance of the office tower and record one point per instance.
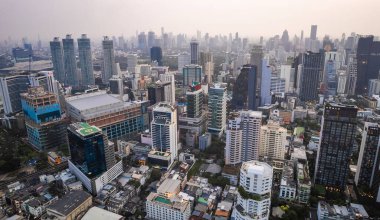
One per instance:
(367, 173)
(332, 62)
(285, 40)
(194, 52)
(312, 67)
(313, 32)
(160, 92)
(70, 62)
(253, 200)
(141, 42)
(164, 129)
(368, 63)
(337, 138)
(342, 81)
(109, 65)
(118, 119)
(169, 77)
(257, 56)
(243, 137)
(122, 43)
(43, 120)
(194, 100)
(286, 73)
(85, 61)
(374, 87)
(45, 79)
(57, 59)
(10, 89)
(169, 203)
(192, 73)
(277, 85)
(217, 105)
(151, 40)
(272, 141)
(156, 55)
(116, 85)
(244, 90)
(266, 82)
(207, 63)
(131, 63)
(183, 60)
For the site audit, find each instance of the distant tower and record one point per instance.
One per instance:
(313, 32)
(257, 56)
(85, 60)
(191, 73)
(70, 62)
(57, 59)
(156, 55)
(151, 39)
(194, 52)
(310, 77)
(109, 66)
(244, 91)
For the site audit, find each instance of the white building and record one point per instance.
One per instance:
(164, 129)
(254, 195)
(374, 87)
(342, 81)
(285, 73)
(169, 203)
(169, 77)
(217, 105)
(243, 137)
(132, 63)
(272, 141)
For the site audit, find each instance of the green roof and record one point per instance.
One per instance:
(86, 129)
(202, 200)
(163, 200)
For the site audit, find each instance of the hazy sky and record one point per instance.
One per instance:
(253, 18)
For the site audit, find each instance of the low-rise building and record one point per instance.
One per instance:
(336, 212)
(96, 213)
(288, 186)
(231, 172)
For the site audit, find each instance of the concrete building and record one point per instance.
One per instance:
(10, 89)
(217, 107)
(303, 182)
(160, 92)
(243, 138)
(85, 61)
(117, 118)
(44, 124)
(310, 77)
(254, 195)
(56, 50)
(332, 163)
(194, 52)
(164, 129)
(169, 77)
(109, 65)
(71, 72)
(116, 85)
(342, 81)
(96, 213)
(183, 60)
(336, 212)
(352, 75)
(192, 73)
(374, 87)
(204, 141)
(46, 80)
(272, 141)
(131, 63)
(169, 203)
(288, 184)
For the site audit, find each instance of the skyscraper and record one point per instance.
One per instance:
(310, 77)
(45, 79)
(109, 65)
(116, 85)
(192, 73)
(156, 55)
(194, 52)
(194, 100)
(141, 40)
(85, 60)
(207, 63)
(368, 63)
(337, 138)
(72, 78)
(151, 40)
(243, 137)
(367, 173)
(57, 59)
(183, 60)
(313, 32)
(159, 92)
(272, 141)
(352, 75)
(10, 89)
(43, 120)
(244, 90)
(257, 56)
(217, 105)
(266, 84)
(254, 197)
(164, 129)
(169, 77)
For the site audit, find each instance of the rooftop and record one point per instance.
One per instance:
(69, 202)
(96, 213)
(169, 186)
(85, 129)
(83, 102)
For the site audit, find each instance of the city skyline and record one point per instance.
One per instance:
(248, 18)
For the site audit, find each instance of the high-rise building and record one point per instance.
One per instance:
(57, 59)
(85, 61)
(192, 73)
(194, 100)
(10, 89)
(169, 77)
(374, 87)
(243, 137)
(368, 62)
(194, 52)
(43, 120)
(183, 60)
(164, 129)
(156, 55)
(217, 105)
(160, 92)
(310, 78)
(141, 40)
(352, 75)
(342, 81)
(207, 63)
(151, 40)
(131, 63)
(266, 84)
(337, 139)
(272, 141)
(244, 91)
(109, 65)
(332, 62)
(254, 192)
(45, 79)
(257, 56)
(313, 32)
(116, 85)
(71, 77)
(367, 173)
